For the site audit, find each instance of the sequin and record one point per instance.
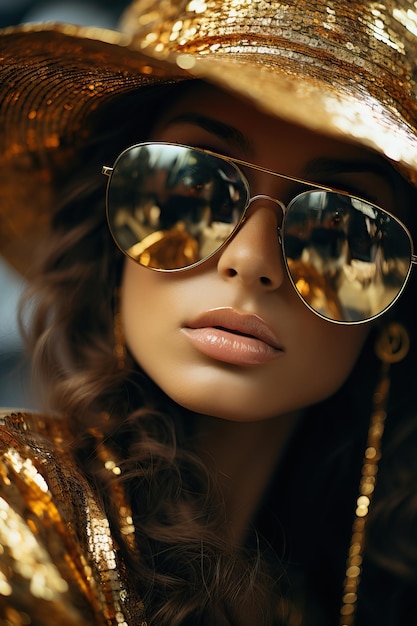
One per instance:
(58, 563)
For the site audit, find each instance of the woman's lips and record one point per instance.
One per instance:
(240, 339)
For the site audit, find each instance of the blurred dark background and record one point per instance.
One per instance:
(87, 12)
(14, 371)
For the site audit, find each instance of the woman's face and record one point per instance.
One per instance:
(188, 329)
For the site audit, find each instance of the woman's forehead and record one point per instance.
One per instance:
(239, 120)
(202, 114)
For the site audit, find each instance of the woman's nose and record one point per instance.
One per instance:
(254, 255)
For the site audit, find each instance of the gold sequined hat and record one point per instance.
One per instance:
(347, 69)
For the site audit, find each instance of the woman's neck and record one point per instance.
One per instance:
(244, 457)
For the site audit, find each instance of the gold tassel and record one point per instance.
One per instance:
(392, 346)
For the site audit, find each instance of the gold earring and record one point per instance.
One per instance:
(119, 349)
(391, 346)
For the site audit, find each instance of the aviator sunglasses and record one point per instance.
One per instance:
(171, 207)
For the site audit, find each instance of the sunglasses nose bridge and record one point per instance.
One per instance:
(264, 197)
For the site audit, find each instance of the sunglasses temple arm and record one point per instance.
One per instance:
(107, 171)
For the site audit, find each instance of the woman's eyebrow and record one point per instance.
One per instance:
(324, 166)
(226, 132)
(317, 169)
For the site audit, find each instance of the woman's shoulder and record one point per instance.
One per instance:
(33, 432)
(36, 458)
(58, 561)
(36, 454)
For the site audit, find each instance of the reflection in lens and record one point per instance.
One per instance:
(171, 206)
(347, 259)
(166, 248)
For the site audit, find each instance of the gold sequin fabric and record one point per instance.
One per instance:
(58, 562)
(344, 67)
(347, 69)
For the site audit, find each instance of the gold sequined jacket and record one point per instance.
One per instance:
(59, 565)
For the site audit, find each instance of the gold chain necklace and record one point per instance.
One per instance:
(391, 346)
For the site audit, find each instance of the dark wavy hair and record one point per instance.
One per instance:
(189, 572)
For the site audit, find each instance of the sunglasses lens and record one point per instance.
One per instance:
(347, 259)
(170, 206)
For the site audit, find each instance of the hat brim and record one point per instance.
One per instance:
(55, 76)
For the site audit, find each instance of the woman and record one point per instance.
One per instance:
(211, 370)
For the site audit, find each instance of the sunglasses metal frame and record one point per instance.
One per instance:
(235, 163)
